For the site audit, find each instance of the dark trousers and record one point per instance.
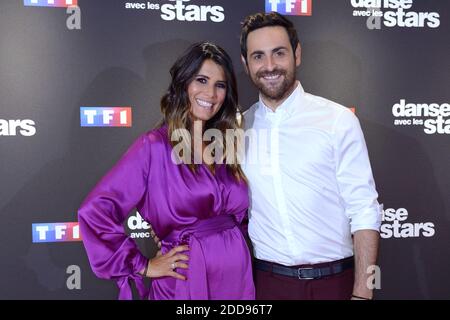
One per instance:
(271, 286)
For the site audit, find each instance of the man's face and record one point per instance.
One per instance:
(271, 63)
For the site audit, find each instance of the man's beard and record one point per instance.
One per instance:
(276, 92)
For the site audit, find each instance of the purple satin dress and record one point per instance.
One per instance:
(203, 210)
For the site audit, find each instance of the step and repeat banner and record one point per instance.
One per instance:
(80, 80)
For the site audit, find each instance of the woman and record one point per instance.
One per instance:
(195, 209)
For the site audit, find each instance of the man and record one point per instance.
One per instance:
(314, 216)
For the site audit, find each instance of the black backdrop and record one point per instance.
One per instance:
(50, 68)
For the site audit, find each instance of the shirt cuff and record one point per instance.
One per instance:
(370, 219)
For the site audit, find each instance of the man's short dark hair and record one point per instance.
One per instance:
(261, 20)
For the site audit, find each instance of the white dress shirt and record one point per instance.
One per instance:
(311, 184)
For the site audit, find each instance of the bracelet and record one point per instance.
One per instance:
(146, 270)
(362, 298)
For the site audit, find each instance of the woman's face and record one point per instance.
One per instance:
(207, 91)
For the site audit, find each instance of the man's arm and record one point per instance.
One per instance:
(357, 189)
(366, 250)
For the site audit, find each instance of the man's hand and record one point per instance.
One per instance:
(366, 250)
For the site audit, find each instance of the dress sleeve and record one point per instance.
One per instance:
(112, 253)
(354, 174)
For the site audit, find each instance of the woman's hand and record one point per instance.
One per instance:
(163, 265)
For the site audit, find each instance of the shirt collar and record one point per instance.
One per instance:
(289, 106)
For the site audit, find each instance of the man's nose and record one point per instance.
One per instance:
(270, 63)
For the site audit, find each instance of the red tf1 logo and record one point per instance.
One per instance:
(50, 3)
(56, 232)
(290, 7)
(105, 117)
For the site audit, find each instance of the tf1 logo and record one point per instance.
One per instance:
(105, 117)
(50, 3)
(290, 7)
(56, 232)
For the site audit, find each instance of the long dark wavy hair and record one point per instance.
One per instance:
(175, 104)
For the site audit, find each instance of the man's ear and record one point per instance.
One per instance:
(298, 55)
(244, 63)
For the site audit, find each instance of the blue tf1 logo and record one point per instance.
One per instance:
(105, 116)
(50, 3)
(56, 232)
(290, 7)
